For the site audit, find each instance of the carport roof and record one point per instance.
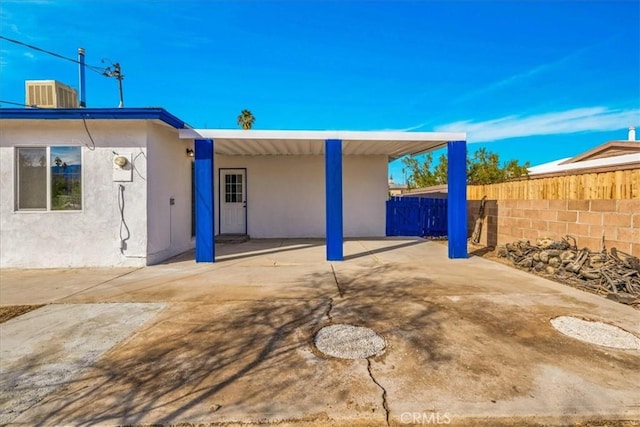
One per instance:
(237, 142)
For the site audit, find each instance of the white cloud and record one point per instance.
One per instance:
(593, 119)
(29, 55)
(532, 72)
(409, 129)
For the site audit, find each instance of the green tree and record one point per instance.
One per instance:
(420, 174)
(512, 169)
(441, 169)
(482, 168)
(58, 161)
(246, 119)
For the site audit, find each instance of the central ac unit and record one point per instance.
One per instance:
(50, 94)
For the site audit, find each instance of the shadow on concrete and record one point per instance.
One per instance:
(213, 362)
(385, 249)
(251, 248)
(236, 251)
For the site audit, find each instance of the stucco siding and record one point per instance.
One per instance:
(90, 237)
(286, 195)
(169, 177)
(365, 192)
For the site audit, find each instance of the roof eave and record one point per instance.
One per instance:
(92, 114)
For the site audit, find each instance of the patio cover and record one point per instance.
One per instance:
(333, 145)
(238, 142)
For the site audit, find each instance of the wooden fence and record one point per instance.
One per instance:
(607, 185)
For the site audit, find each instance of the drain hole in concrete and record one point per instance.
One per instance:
(596, 333)
(348, 342)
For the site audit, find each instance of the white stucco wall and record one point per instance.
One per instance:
(286, 195)
(365, 190)
(90, 237)
(168, 226)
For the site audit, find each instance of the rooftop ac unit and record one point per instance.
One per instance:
(50, 94)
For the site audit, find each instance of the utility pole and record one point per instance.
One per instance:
(117, 73)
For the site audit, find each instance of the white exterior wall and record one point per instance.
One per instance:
(365, 191)
(286, 195)
(90, 237)
(168, 226)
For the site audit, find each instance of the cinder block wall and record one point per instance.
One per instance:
(509, 220)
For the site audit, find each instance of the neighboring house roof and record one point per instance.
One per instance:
(608, 149)
(394, 186)
(611, 156)
(238, 142)
(441, 189)
(147, 113)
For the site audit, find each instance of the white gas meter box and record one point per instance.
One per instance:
(122, 167)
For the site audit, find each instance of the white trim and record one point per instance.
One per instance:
(555, 165)
(238, 142)
(322, 135)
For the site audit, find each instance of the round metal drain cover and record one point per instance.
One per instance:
(596, 333)
(348, 342)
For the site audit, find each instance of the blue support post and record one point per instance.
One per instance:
(205, 231)
(457, 199)
(333, 191)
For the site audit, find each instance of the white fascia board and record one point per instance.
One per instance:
(189, 134)
(321, 135)
(602, 162)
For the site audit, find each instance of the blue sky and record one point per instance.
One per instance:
(69, 155)
(532, 81)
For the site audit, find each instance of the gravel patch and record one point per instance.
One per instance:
(597, 333)
(349, 342)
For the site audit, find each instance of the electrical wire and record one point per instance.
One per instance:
(133, 164)
(18, 104)
(99, 70)
(123, 224)
(88, 133)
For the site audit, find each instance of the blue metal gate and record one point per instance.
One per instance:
(416, 216)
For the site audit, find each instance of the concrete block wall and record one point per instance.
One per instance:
(509, 220)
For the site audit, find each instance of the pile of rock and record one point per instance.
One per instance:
(613, 273)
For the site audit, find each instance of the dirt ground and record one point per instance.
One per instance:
(9, 312)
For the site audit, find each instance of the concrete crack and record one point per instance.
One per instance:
(385, 404)
(329, 308)
(337, 283)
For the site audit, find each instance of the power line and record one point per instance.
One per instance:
(17, 103)
(99, 70)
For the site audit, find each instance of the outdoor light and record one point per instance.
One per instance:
(190, 152)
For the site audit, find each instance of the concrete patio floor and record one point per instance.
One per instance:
(468, 342)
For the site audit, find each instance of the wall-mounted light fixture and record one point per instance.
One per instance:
(190, 152)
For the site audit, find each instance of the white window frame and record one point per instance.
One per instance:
(48, 209)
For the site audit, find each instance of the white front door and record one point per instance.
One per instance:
(233, 201)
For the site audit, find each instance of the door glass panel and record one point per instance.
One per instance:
(233, 188)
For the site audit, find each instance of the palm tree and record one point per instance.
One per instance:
(246, 119)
